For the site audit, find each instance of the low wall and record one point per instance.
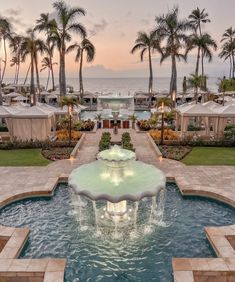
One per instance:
(154, 146)
(78, 146)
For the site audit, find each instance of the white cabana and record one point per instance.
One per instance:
(32, 123)
(200, 113)
(20, 98)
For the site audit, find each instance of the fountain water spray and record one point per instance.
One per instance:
(116, 183)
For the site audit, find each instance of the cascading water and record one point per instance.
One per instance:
(119, 188)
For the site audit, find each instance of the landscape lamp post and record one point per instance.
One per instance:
(162, 127)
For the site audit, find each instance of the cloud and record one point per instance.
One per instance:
(98, 27)
(13, 16)
(13, 12)
(98, 71)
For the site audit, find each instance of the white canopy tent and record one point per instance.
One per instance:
(32, 123)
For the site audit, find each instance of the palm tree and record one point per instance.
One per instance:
(65, 24)
(14, 45)
(30, 48)
(14, 63)
(87, 47)
(208, 46)
(229, 38)
(197, 17)
(147, 43)
(227, 53)
(195, 83)
(46, 24)
(205, 45)
(70, 102)
(5, 34)
(172, 31)
(47, 64)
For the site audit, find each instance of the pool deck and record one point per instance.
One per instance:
(216, 182)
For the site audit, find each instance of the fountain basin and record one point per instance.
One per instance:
(134, 182)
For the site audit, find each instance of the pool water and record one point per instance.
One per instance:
(85, 115)
(55, 233)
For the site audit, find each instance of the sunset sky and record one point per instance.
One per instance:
(115, 25)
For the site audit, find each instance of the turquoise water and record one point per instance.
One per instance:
(85, 115)
(55, 233)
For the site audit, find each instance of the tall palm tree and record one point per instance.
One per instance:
(84, 47)
(172, 30)
(30, 47)
(147, 43)
(5, 34)
(46, 64)
(195, 83)
(208, 46)
(14, 45)
(44, 23)
(14, 63)
(196, 18)
(229, 38)
(66, 22)
(205, 45)
(227, 53)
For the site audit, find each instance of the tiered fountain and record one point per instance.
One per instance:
(116, 184)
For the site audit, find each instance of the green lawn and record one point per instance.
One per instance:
(210, 156)
(22, 157)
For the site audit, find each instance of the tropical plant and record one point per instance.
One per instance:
(30, 47)
(70, 102)
(195, 82)
(228, 49)
(171, 30)
(14, 45)
(60, 32)
(47, 64)
(197, 17)
(5, 34)
(84, 47)
(147, 43)
(46, 24)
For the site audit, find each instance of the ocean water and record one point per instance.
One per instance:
(123, 85)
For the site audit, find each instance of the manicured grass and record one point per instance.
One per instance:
(22, 157)
(210, 156)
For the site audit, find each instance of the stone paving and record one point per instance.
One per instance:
(216, 182)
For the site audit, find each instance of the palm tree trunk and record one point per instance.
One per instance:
(48, 78)
(150, 78)
(37, 77)
(62, 74)
(32, 85)
(5, 56)
(230, 67)
(17, 74)
(80, 77)
(203, 82)
(52, 74)
(26, 77)
(198, 60)
(173, 90)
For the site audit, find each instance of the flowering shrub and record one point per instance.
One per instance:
(168, 134)
(144, 125)
(84, 125)
(63, 135)
(54, 154)
(175, 152)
